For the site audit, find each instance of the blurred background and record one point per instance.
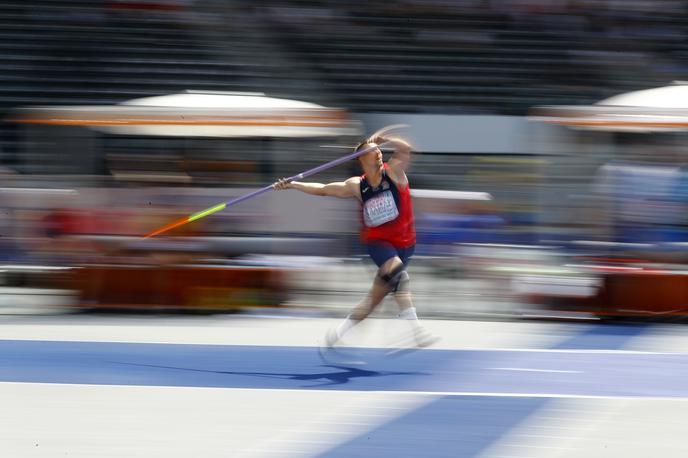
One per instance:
(534, 194)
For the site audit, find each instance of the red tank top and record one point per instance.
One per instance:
(387, 213)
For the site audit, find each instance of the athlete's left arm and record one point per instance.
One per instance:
(400, 160)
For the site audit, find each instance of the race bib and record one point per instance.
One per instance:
(380, 209)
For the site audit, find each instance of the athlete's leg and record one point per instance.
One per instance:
(404, 300)
(402, 292)
(385, 256)
(364, 308)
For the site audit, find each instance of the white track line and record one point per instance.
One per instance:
(525, 369)
(389, 393)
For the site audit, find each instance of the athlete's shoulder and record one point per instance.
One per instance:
(398, 177)
(354, 185)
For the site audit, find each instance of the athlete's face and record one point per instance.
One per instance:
(373, 158)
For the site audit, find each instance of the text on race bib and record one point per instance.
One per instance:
(380, 209)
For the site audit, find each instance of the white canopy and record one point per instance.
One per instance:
(672, 97)
(221, 100)
(650, 110)
(201, 114)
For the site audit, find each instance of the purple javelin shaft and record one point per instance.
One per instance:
(303, 175)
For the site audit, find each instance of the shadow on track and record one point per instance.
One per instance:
(343, 375)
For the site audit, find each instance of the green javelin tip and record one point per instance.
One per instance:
(207, 212)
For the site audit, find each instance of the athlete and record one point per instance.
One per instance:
(387, 229)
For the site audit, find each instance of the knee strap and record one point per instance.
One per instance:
(396, 278)
(402, 281)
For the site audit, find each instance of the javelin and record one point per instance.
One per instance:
(222, 206)
(300, 176)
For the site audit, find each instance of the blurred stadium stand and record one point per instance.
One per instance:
(482, 56)
(457, 57)
(417, 56)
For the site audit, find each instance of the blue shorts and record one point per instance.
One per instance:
(381, 252)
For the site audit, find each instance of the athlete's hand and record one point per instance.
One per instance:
(377, 139)
(382, 135)
(282, 183)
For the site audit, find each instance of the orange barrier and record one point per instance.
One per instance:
(637, 294)
(631, 294)
(179, 287)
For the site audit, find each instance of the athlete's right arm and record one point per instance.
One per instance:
(342, 189)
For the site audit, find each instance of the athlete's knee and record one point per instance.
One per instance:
(396, 279)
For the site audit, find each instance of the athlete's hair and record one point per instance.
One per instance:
(362, 145)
